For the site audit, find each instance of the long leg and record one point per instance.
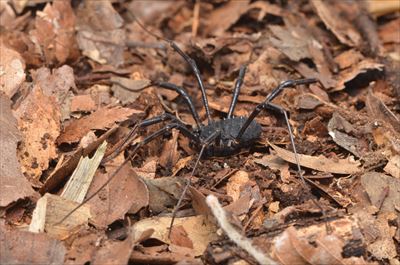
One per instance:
(185, 96)
(274, 93)
(204, 145)
(236, 91)
(127, 139)
(196, 73)
(146, 140)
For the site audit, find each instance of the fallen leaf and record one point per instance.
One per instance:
(51, 209)
(375, 183)
(340, 26)
(365, 66)
(169, 154)
(67, 166)
(196, 229)
(39, 121)
(275, 163)
(222, 18)
(164, 192)
(125, 191)
(42, 249)
(348, 58)
(113, 252)
(12, 70)
(378, 109)
(128, 90)
(312, 245)
(82, 103)
(393, 166)
(101, 40)
(54, 33)
(148, 170)
(101, 119)
(321, 163)
(235, 183)
(13, 184)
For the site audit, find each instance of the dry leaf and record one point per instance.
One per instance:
(39, 121)
(321, 163)
(169, 154)
(102, 40)
(196, 229)
(82, 103)
(101, 119)
(128, 90)
(17, 247)
(393, 166)
(54, 33)
(224, 17)
(126, 190)
(164, 192)
(113, 252)
(343, 30)
(12, 70)
(13, 184)
(235, 184)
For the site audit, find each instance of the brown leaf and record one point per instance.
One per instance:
(340, 26)
(348, 58)
(39, 121)
(393, 166)
(169, 154)
(42, 249)
(83, 103)
(321, 163)
(12, 70)
(125, 191)
(383, 191)
(54, 32)
(99, 120)
(377, 109)
(113, 252)
(365, 66)
(390, 32)
(224, 17)
(13, 184)
(235, 183)
(198, 230)
(164, 192)
(102, 40)
(127, 90)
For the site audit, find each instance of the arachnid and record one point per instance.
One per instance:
(217, 137)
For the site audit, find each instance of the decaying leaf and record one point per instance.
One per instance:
(383, 190)
(51, 209)
(54, 33)
(42, 249)
(235, 183)
(12, 70)
(99, 39)
(343, 30)
(101, 119)
(169, 154)
(39, 121)
(321, 163)
(164, 192)
(393, 166)
(113, 252)
(196, 229)
(13, 184)
(312, 245)
(125, 191)
(128, 90)
(82, 103)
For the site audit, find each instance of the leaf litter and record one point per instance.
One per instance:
(74, 80)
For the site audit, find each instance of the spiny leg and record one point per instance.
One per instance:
(145, 141)
(204, 145)
(274, 93)
(185, 96)
(196, 73)
(236, 91)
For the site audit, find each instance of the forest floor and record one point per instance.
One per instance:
(77, 77)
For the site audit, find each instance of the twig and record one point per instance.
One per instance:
(234, 235)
